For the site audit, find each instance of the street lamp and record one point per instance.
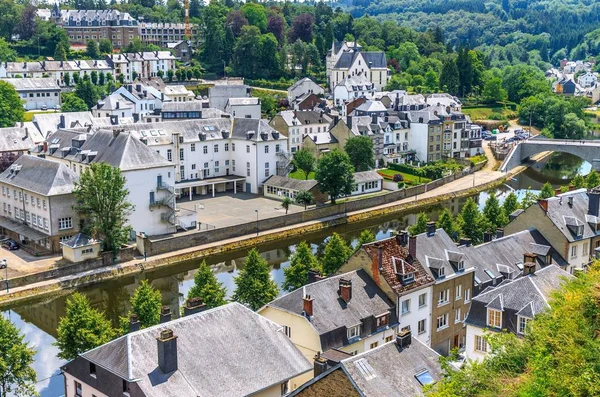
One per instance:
(256, 222)
(4, 264)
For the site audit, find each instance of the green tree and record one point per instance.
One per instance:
(420, 226)
(256, 15)
(301, 261)
(304, 161)
(101, 198)
(17, 376)
(592, 180)
(207, 287)
(285, 204)
(574, 127)
(365, 237)
(335, 255)
(432, 81)
(11, 108)
(82, 328)
(94, 77)
(254, 286)
(92, 50)
(360, 151)
(449, 80)
(146, 305)
(304, 197)
(471, 221)
(72, 103)
(67, 79)
(105, 46)
(101, 78)
(528, 199)
(60, 52)
(446, 222)
(76, 77)
(578, 181)
(335, 174)
(494, 213)
(170, 75)
(511, 203)
(86, 90)
(493, 91)
(547, 191)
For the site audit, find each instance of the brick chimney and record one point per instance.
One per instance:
(193, 306)
(345, 289)
(544, 204)
(529, 263)
(167, 351)
(307, 305)
(431, 229)
(314, 276)
(165, 314)
(412, 246)
(320, 365)
(403, 338)
(134, 323)
(402, 237)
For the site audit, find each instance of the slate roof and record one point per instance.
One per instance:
(79, 240)
(376, 59)
(15, 139)
(187, 106)
(432, 250)
(367, 176)
(115, 101)
(255, 130)
(300, 82)
(33, 84)
(387, 370)
(391, 249)
(290, 183)
(372, 106)
(330, 312)
(38, 175)
(356, 83)
(304, 117)
(48, 123)
(226, 351)
(526, 295)
(563, 215)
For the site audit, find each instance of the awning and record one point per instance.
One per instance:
(22, 229)
(209, 181)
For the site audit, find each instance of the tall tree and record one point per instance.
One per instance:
(494, 213)
(72, 103)
(304, 197)
(17, 377)
(60, 53)
(365, 237)
(102, 199)
(335, 255)
(420, 226)
(511, 203)
(360, 151)
(449, 79)
(26, 27)
(301, 261)
(195, 8)
(207, 287)
(269, 56)
(11, 109)
(335, 174)
(85, 90)
(145, 304)
(302, 28)
(105, 46)
(92, 50)
(471, 221)
(592, 179)
(304, 161)
(254, 286)
(236, 21)
(285, 204)
(256, 15)
(245, 59)
(82, 328)
(276, 25)
(446, 222)
(547, 191)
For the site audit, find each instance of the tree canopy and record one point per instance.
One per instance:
(335, 255)
(207, 287)
(254, 286)
(301, 262)
(360, 151)
(17, 376)
(335, 174)
(11, 108)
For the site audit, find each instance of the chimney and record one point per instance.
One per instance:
(45, 147)
(487, 236)
(594, 202)
(544, 204)
(499, 233)
(193, 306)
(402, 238)
(465, 241)
(134, 323)
(320, 365)
(26, 133)
(314, 276)
(349, 122)
(431, 229)
(165, 314)
(118, 105)
(529, 263)
(116, 133)
(557, 192)
(345, 289)
(62, 121)
(167, 351)
(403, 338)
(114, 119)
(307, 304)
(412, 246)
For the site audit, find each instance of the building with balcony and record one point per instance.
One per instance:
(161, 34)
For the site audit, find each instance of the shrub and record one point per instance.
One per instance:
(400, 185)
(398, 178)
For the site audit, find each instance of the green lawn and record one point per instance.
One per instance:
(29, 115)
(300, 175)
(408, 178)
(493, 112)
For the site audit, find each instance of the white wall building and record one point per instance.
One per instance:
(588, 79)
(352, 61)
(302, 87)
(243, 108)
(351, 88)
(298, 124)
(37, 93)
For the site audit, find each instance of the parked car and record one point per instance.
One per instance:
(491, 138)
(44, 107)
(10, 245)
(2, 265)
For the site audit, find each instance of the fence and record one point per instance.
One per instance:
(199, 237)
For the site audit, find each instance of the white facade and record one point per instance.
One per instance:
(303, 87)
(418, 139)
(144, 64)
(55, 70)
(587, 80)
(351, 88)
(244, 108)
(36, 93)
(578, 254)
(414, 312)
(476, 347)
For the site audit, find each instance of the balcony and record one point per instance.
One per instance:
(475, 143)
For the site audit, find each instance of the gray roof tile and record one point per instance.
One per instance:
(45, 177)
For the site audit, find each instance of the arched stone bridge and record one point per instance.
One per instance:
(587, 150)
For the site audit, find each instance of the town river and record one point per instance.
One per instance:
(38, 321)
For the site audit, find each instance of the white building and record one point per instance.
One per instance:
(347, 61)
(219, 94)
(367, 182)
(131, 100)
(37, 93)
(55, 70)
(444, 100)
(302, 87)
(351, 88)
(298, 124)
(243, 108)
(587, 79)
(142, 64)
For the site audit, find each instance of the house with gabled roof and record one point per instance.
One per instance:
(337, 316)
(511, 305)
(347, 59)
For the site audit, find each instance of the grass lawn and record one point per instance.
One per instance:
(300, 175)
(484, 113)
(408, 178)
(29, 115)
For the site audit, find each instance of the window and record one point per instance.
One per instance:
(3, 191)
(374, 345)
(182, 172)
(523, 321)
(287, 331)
(424, 378)
(33, 219)
(193, 147)
(233, 147)
(458, 316)
(247, 169)
(458, 292)
(573, 251)
(169, 155)
(494, 318)
(442, 321)
(467, 294)
(15, 194)
(382, 320)
(266, 149)
(181, 154)
(405, 306)
(78, 391)
(65, 223)
(421, 326)
(480, 344)
(443, 297)
(441, 272)
(247, 148)
(423, 300)
(585, 251)
(353, 332)
(216, 148)
(93, 370)
(389, 338)
(226, 147)
(205, 149)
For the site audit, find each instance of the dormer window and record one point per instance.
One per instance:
(494, 318)
(408, 277)
(461, 266)
(522, 324)
(441, 272)
(382, 320)
(354, 331)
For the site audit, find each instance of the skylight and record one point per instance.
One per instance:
(424, 378)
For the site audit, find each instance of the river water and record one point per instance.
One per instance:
(38, 321)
